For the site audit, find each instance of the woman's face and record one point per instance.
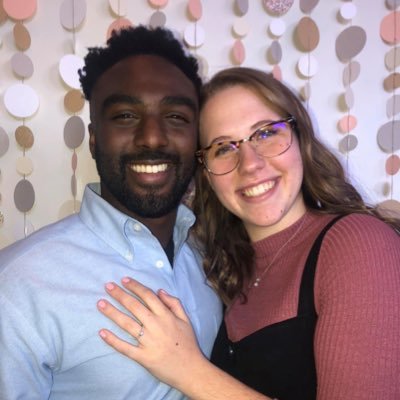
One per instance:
(263, 192)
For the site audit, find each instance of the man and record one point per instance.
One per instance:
(143, 92)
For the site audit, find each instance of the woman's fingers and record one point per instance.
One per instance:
(118, 344)
(173, 304)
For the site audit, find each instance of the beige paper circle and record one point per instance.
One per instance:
(203, 66)
(242, 6)
(350, 42)
(390, 28)
(241, 27)
(24, 166)
(306, 6)
(157, 19)
(195, 9)
(22, 65)
(392, 82)
(308, 65)
(305, 91)
(307, 34)
(4, 142)
(74, 132)
(277, 27)
(117, 25)
(351, 73)
(347, 123)
(274, 54)
(68, 68)
(24, 137)
(18, 108)
(74, 101)
(348, 143)
(72, 13)
(349, 98)
(20, 9)
(158, 3)
(388, 136)
(393, 106)
(392, 58)
(118, 7)
(393, 164)
(24, 195)
(22, 37)
(194, 35)
(238, 52)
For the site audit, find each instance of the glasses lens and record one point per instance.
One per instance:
(222, 158)
(273, 139)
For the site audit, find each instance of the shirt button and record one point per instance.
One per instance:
(159, 264)
(136, 227)
(129, 256)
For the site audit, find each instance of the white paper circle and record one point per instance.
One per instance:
(194, 35)
(241, 27)
(308, 65)
(68, 68)
(21, 100)
(24, 166)
(348, 11)
(277, 27)
(118, 7)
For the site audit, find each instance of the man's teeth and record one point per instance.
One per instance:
(149, 169)
(259, 189)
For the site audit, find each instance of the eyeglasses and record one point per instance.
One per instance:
(270, 140)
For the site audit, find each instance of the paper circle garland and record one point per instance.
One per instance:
(4, 142)
(20, 9)
(18, 108)
(24, 195)
(278, 7)
(68, 68)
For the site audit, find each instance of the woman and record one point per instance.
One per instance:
(300, 323)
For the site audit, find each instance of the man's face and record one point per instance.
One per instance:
(143, 135)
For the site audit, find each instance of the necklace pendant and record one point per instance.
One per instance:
(256, 282)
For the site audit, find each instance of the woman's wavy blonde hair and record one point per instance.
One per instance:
(228, 254)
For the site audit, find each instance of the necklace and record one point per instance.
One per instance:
(258, 278)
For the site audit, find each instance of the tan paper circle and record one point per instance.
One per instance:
(351, 73)
(348, 143)
(305, 91)
(392, 82)
(24, 166)
(74, 132)
(24, 195)
(306, 6)
(307, 34)
(24, 137)
(350, 43)
(388, 136)
(4, 142)
(72, 13)
(393, 106)
(22, 65)
(158, 19)
(3, 14)
(20, 9)
(22, 37)
(74, 101)
(390, 28)
(393, 164)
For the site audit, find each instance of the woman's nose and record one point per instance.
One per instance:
(249, 159)
(151, 133)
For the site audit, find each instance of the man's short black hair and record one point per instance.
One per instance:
(133, 41)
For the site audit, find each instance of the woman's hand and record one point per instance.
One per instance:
(167, 345)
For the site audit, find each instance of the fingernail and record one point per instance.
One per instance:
(103, 334)
(126, 280)
(110, 286)
(101, 304)
(163, 292)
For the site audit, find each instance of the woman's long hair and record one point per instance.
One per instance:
(228, 254)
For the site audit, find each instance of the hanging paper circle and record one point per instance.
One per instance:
(392, 4)
(350, 42)
(74, 132)
(73, 185)
(307, 65)
(278, 7)
(4, 142)
(24, 195)
(158, 3)
(392, 59)
(351, 72)
(194, 35)
(21, 36)
(3, 14)
(388, 136)
(117, 25)
(390, 28)
(275, 52)
(24, 166)
(349, 98)
(241, 27)
(22, 65)
(277, 27)
(347, 123)
(392, 82)
(20, 9)
(390, 208)
(393, 164)
(306, 6)
(348, 143)
(74, 162)
(118, 7)
(195, 9)
(72, 13)
(277, 72)
(238, 52)
(348, 11)
(24, 137)
(18, 108)
(74, 101)
(305, 91)
(68, 67)
(158, 19)
(393, 106)
(307, 34)
(242, 6)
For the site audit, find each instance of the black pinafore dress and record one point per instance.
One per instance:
(278, 360)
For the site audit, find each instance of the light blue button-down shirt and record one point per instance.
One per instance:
(49, 286)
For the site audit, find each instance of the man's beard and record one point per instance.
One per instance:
(112, 172)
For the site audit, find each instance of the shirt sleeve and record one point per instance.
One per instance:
(357, 293)
(23, 371)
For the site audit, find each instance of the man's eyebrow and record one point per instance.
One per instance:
(180, 100)
(119, 98)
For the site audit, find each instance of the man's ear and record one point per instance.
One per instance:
(92, 141)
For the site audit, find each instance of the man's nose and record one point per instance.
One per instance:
(151, 133)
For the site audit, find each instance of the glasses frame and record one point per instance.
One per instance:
(200, 154)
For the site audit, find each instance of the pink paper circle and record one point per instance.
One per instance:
(20, 9)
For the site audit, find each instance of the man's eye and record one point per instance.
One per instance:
(177, 117)
(124, 116)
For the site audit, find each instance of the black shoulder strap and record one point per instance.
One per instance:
(306, 296)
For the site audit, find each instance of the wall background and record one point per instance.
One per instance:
(53, 161)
